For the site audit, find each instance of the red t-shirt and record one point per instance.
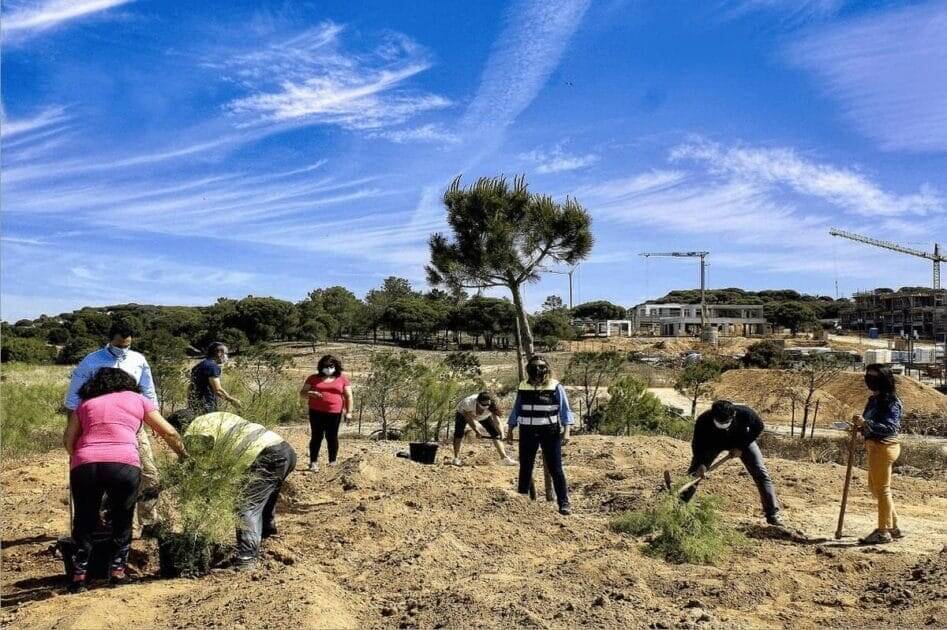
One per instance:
(333, 393)
(109, 427)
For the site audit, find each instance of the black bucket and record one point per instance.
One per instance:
(423, 452)
(99, 561)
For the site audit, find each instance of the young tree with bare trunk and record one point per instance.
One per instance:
(813, 375)
(503, 236)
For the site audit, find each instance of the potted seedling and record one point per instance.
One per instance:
(438, 391)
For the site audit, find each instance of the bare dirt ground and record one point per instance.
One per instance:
(382, 542)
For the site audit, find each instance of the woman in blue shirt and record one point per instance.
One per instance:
(880, 424)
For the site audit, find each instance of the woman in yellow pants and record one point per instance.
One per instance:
(880, 424)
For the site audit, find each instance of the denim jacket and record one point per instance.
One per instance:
(882, 421)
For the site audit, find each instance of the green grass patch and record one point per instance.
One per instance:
(30, 401)
(681, 532)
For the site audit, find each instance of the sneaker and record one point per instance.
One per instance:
(244, 564)
(509, 461)
(895, 533)
(565, 509)
(78, 583)
(333, 464)
(877, 537)
(117, 576)
(457, 462)
(776, 520)
(313, 466)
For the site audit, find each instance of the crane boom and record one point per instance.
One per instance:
(936, 257)
(676, 254)
(888, 245)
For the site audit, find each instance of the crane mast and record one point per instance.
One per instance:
(703, 276)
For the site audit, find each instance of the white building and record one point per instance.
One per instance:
(680, 320)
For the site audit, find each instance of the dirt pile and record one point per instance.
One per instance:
(766, 391)
(380, 542)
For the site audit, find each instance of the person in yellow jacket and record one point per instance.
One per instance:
(262, 454)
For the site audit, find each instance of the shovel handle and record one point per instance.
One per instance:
(848, 481)
(714, 466)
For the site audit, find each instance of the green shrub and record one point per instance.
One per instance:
(76, 349)
(690, 532)
(258, 381)
(27, 350)
(391, 386)
(464, 363)
(632, 409)
(200, 500)
(31, 419)
(438, 390)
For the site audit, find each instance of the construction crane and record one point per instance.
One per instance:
(936, 256)
(703, 275)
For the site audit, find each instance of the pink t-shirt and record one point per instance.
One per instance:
(333, 393)
(108, 429)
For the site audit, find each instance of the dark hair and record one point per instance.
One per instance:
(181, 418)
(214, 348)
(108, 381)
(884, 384)
(330, 359)
(121, 329)
(722, 409)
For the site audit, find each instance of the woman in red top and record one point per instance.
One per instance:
(101, 438)
(330, 395)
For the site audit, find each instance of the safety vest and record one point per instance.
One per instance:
(246, 440)
(538, 405)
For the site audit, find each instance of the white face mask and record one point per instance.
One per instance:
(723, 425)
(328, 371)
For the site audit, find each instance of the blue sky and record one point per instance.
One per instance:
(174, 153)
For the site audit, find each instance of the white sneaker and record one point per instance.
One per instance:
(314, 467)
(457, 462)
(509, 461)
(334, 464)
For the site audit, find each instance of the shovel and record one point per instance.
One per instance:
(701, 474)
(848, 481)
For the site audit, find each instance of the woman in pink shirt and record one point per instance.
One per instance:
(330, 395)
(101, 439)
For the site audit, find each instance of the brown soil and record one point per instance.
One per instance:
(382, 542)
(837, 400)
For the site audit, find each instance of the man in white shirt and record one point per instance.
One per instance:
(480, 412)
(117, 354)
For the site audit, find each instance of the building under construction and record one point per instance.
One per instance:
(911, 311)
(677, 320)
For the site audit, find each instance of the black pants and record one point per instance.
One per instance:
(323, 425)
(89, 482)
(752, 458)
(532, 438)
(460, 425)
(257, 514)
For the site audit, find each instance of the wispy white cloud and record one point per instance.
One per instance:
(788, 10)
(310, 79)
(847, 189)
(889, 72)
(19, 18)
(557, 160)
(429, 133)
(528, 50)
(48, 117)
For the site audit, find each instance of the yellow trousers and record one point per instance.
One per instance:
(881, 457)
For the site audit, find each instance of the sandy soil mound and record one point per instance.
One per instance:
(765, 390)
(381, 542)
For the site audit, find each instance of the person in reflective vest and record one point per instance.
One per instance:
(543, 415)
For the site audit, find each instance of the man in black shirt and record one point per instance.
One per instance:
(734, 428)
(205, 389)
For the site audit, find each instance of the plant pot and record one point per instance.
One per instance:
(183, 555)
(423, 452)
(99, 561)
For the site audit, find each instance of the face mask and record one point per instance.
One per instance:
(328, 371)
(872, 382)
(723, 425)
(118, 353)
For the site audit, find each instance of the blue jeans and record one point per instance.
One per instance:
(532, 438)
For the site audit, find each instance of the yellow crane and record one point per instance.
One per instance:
(936, 257)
